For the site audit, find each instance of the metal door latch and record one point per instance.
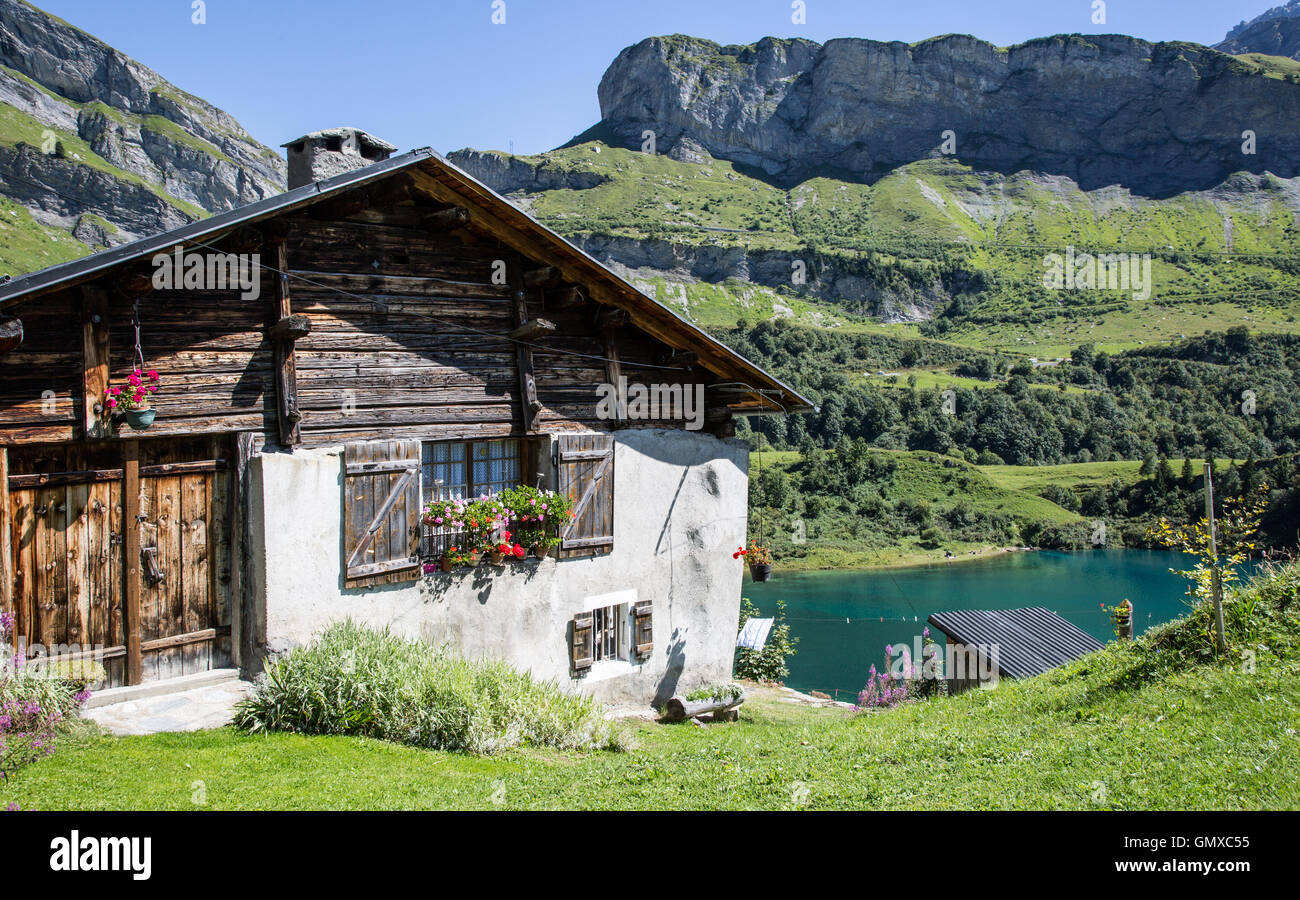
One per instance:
(152, 573)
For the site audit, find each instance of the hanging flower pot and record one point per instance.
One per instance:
(140, 419)
(759, 559)
(132, 398)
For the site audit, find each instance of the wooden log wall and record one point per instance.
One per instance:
(408, 338)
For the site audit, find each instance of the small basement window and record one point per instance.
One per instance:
(621, 633)
(607, 633)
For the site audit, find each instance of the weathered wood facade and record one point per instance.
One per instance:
(401, 303)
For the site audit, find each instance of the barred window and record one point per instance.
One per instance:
(606, 631)
(464, 470)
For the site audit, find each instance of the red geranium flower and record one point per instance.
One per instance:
(519, 552)
(739, 553)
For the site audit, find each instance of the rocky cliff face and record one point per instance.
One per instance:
(1276, 32)
(88, 133)
(1109, 109)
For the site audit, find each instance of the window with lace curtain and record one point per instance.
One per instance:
(464, 470)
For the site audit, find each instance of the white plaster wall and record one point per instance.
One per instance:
(679, 513)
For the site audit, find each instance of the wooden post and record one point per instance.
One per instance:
(241, 614)
(1216, 582)
(131, 564)
(614, 371)
(286, 369)
(94, 357)
(6, 537)
(529, 405)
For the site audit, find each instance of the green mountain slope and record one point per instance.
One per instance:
(98, 150)
(933, 246)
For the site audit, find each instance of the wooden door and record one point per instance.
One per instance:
(69, 543)
(177, 594)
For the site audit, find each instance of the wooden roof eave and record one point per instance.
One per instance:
(448, 184)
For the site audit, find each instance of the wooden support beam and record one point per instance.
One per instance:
(94, 361)
(565, 298)
(133, 285)
(290, 328)
(274, 232)
(533, 328)
(286, 368)
(529, 405)
(612, 317)
(11, 334)
(614, 371)
(6, 537)
(447, 219)
(391, 191)
(131, 541)
(543, 277)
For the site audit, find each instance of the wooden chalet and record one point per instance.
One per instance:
(404, 332)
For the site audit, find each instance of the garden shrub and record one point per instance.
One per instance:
(361, 681)
(770, 663)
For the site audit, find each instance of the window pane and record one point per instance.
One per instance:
(461, 470)
(495, 465)
(443, 471)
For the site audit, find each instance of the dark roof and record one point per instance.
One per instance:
(1029, 641)
(765, 392)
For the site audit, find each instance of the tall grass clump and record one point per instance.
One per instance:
(361, 681)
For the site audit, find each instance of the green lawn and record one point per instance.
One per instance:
(1125, 728)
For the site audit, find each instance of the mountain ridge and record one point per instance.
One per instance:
(97, 149)
(1099, 109)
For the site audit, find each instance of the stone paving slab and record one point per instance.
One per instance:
(210, 706)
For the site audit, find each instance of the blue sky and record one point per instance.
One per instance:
(439, 73)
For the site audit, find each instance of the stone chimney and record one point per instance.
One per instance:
(324, 154)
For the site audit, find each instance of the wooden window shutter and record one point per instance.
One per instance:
(643, 628)
(381, 512)
(585, 473)
(582, 650)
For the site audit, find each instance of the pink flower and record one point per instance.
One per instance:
(153, 375)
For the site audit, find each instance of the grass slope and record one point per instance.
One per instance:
(26, 245)
(1155, 724)
(839, 533)
(1219, 258)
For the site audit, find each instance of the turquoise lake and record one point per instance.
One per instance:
(844, 619)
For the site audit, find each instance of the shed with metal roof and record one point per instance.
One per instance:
(1008, 643)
